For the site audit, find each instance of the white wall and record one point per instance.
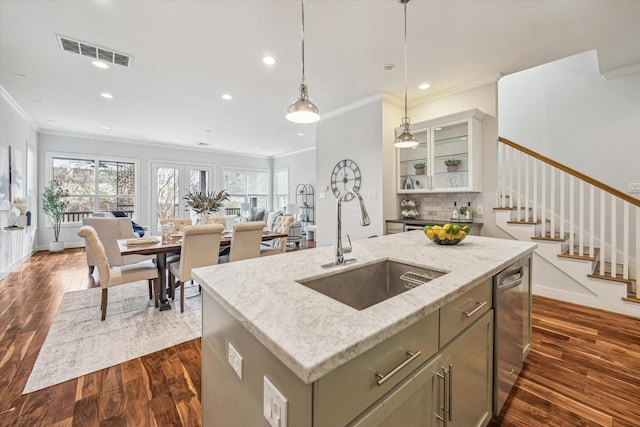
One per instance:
(302, 170)
(355, 135)
(144, 153)
(566, 111)
(18, 131)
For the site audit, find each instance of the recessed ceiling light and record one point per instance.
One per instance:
(227, 97)
(388, 67)
(269, 60)
(105, 127)
(100, 64)
(208, 130)
(438, 129)
(301, 134)
(20, 75)
(203, 143)
(258, 149)
(424, 86)
(39, 101)
(50, 120)
(106, 95)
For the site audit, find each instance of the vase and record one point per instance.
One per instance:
(452, 168)
(420, 171)
(56, 246)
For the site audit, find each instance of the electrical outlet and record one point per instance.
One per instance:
(321, 195)
(274, 405)
(633, 187)
(480, 210)
(235, 360)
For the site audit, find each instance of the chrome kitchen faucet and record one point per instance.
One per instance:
(339, 250)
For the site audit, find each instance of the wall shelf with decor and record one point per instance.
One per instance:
(306, 205)
(447, 158)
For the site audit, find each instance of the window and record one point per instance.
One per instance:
(95, 185)
(281, 188)
(246, 186)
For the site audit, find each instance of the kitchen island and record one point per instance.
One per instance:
(297, 337)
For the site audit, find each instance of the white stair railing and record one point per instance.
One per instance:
(564, 201)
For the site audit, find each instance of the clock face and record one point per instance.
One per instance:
(345, 175)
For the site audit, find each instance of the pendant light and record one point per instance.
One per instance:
(303, 110)
(406, 138)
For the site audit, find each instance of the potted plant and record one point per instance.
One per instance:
(54, 205)
(203, 203)
(452, 164)
(419, 168)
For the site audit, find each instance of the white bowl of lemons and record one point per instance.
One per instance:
(448, 234)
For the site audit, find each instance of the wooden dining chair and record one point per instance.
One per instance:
(245, 241)
(200, 246)
(113, 276)
(277, 246)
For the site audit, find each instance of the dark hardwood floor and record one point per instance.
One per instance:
(583, 369)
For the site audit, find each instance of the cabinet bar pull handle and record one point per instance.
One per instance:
(382, 378)
(442, 418)
(475, 310)
(450, 392)
(447, 396)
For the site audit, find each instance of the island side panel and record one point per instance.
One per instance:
(230, 401)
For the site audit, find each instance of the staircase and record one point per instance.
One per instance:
(588, 233)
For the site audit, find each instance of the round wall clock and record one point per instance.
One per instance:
(345, 176)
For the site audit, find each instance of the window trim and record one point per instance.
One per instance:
(287, 186)
(268, 172)
(50, 155)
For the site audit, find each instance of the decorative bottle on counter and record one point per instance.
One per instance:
(467, 214)
(455, 214)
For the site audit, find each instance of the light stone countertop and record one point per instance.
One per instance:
(311, 333)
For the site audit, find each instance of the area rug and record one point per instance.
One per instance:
(79, 343)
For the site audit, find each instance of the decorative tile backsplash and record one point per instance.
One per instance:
(440, 205)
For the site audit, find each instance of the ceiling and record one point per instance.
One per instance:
(186, 54)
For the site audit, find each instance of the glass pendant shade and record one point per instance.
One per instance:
(303, 110)
(406, 139)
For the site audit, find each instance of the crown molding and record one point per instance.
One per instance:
(621, 71)
(493, 78)
(23, 114)
(292, 153)
(98, 138)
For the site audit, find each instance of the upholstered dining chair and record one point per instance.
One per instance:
(277, 246)
(113, 276)
(200, 246)
(216, 220)
(245, 241)
(179, 223)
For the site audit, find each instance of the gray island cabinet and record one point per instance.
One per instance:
(276, 352)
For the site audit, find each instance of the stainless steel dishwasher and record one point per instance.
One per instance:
(509, 294)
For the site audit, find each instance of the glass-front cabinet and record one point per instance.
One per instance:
(447, 158)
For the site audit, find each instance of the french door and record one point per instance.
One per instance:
(171, 182)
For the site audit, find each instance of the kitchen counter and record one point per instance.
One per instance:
(313, 334)
(426, 221)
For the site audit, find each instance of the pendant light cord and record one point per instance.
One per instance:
(303, 82)
(405, 57)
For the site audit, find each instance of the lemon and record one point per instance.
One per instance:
(437, 228)
(430, 234)
(442, 235)
(448, 228)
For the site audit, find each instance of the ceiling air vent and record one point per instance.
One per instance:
(93, 51)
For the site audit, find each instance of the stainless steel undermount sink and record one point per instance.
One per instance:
(370, 284)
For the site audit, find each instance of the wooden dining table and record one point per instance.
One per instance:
(173, 245)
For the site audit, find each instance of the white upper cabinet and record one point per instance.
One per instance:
(447, 158)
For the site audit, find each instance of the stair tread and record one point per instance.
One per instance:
(555, 238)
(574, 254)
(618, 278)
(524, 222)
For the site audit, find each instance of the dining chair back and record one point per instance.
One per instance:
(245, 240)
(200, 246)
(215, 220)
(278, 246)
(113, 276)
(109, 230)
